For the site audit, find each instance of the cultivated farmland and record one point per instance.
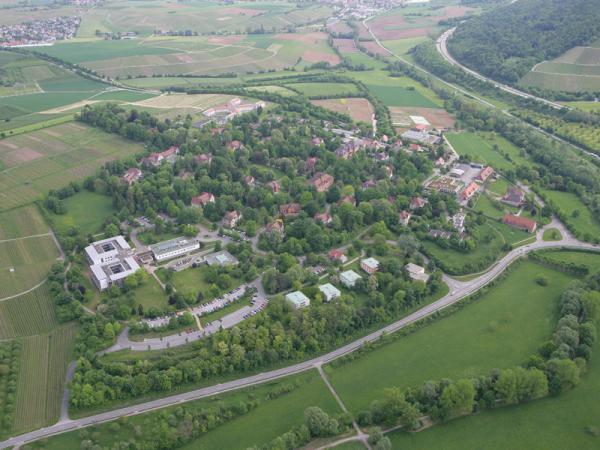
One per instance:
(360, 109)
(27, 315)
(504, 327)
(51, 158)
(26, 221)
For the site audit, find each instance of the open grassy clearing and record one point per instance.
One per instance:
(200, 102)
(488, 148)
(552, 234)
(150, 295)
(24, 263)
(86, 211)
(324, 89)
(585, 106)
(50, 158)
(552, 423)
(25, 221)
(576, 212)
(192, 281)
(272, 417)
(28, 314)
(502, 328)
(488, 207)
(41, 381)
(591, 260)
(403, 46)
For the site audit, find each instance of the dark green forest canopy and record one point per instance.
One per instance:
(507, 42)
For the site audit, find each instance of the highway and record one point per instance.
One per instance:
(458, 291)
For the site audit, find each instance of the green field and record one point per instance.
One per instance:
(191, 281)
(591, 260)
(554, 423)
(583, 221)
(53, 157)
(488, 148)
(25, 262)
(87, 211)
(502, 328)
(324, 89)
(485, 205)
(41, 381)
(272, 417)
(150, 294)
(28, 314)
(399, 96)
(26, 221)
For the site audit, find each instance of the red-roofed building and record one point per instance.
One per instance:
(316, 141)
(338, 255)
(132, 175)
(276, 227)
(348, 199)
(289, 209)
(322, 182)
(235, 145)
(522, 223)
(417, 202)
(249, 180)
(231, 219)
(405, 217)
(203, 199)
(469, 191)
(323, 218)
(204, 158)
(275, 186)
(485, 173)
(311, 163)
(156, 159)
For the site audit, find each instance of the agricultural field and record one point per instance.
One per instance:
(439, 118)
(500, 329)
(576, 70)
(576, 213)
(274, 415)
(588, 259)
(86, 211)
(360, 109)
(24, 262)
(553, 423)
(488, 148)
(51, 158)
(324, 89)
(25, 221)
(28, 314)
(197, 55)
(42, 375)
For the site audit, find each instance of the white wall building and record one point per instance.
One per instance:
(298, 299)
(349, 278)
(417, 273)
(329, 291)
(173, 247)
(111, 261)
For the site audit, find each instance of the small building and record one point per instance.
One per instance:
(513, 197)
(298, 299)
(276, 226)
(316, 141)
(404, 217)
(349, 278)
(458, 221)
(111, 261)
(156, 159)
(203, 199)
(203, 158)
(485, 173)
(290, 209)
(369, 265)
(522, 223)
(456, 172)
(322, 182)
(416, 273)
(173, 247)
(311, 163)
(231, 219)
(469, 191)
(132, 175)
(249, 180)
(338, 255)
(417, 203)
(222, 258)
(329, 291)
(369, 184)
(275, 186)
(324, 218)
(235, 145)
(348, 199)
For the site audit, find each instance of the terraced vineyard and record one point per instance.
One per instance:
(28, 314)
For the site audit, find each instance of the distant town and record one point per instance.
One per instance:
(39, 32)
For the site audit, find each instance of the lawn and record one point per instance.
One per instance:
(575, 212)
(488, 207)
(591, 260)
(502, 328)
(150, 295)
(554, 423)
(551, 234)
(87, 211)
(192, 281)
(271, 418)
(488, 148)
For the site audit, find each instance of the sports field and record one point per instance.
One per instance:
(50, 158)
(502, 328)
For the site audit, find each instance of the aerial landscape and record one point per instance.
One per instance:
(320, 224)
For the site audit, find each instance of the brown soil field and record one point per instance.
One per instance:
(374, 47)
(340, 27)
(345, 45)
(306, 38)
(437, 117)
(360, 109)
(315, 57)
(225, 40)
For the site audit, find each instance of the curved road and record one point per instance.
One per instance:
(458, 291)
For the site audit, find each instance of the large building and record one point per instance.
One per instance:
(349, 278)
(173, 247)
(298, 299)
(416, 273)
(519, 222)
(369, 265)
(111, 261)
(329, 291)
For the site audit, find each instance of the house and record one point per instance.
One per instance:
(156, 159)
(369, 184)
(485, 173)
(298, 299)
(338, 255)
(469, 191)
(132, 175)
(416, 273)
(416, 148)
(111, 261)
(439, 234)
(521, 223)
(440, 162)
(249, 180)
(173, 247)
(389, 171)
(235, 145)
(421, 136)
(276, 226)
(458, 221)
(322, 181)
(405, 217)
(348, 199)
(289, 209)
(275, 186)
(349, 278)
(204, 158)
(231, 219)
(323, 218)
(513, 196)
(203, 199)
(381, 157)
(311, 163)
(222, 258)
(316, 141)
(329, 291)
(417, 203)
(369, 265)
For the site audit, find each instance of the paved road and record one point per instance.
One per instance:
(442, 47)
(458, 291)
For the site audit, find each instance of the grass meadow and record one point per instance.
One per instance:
(577, 213)
(87, 211)
(501, 329)
(26, 221)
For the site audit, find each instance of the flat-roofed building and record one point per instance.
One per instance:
(173, 247)
(298, 299)
(416, 273)
(349, 278)
(111, 261)
(369, 265)
(329, 291)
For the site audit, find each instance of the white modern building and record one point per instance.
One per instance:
(298, 299)
(349, 278)
(173, 247)
(369, 265)
(329, 291)
(111, 261)
(417, 273)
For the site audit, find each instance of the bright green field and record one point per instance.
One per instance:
(19, 222)
(191, 281)
(481, 147)
(270, 419)
(402, 46)
(591, 260)
(554, 423)
(320, 89)
(500, 329)
(398, 96)
(86, 211)
(150, 294)
(485, 205)
(567, 202)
